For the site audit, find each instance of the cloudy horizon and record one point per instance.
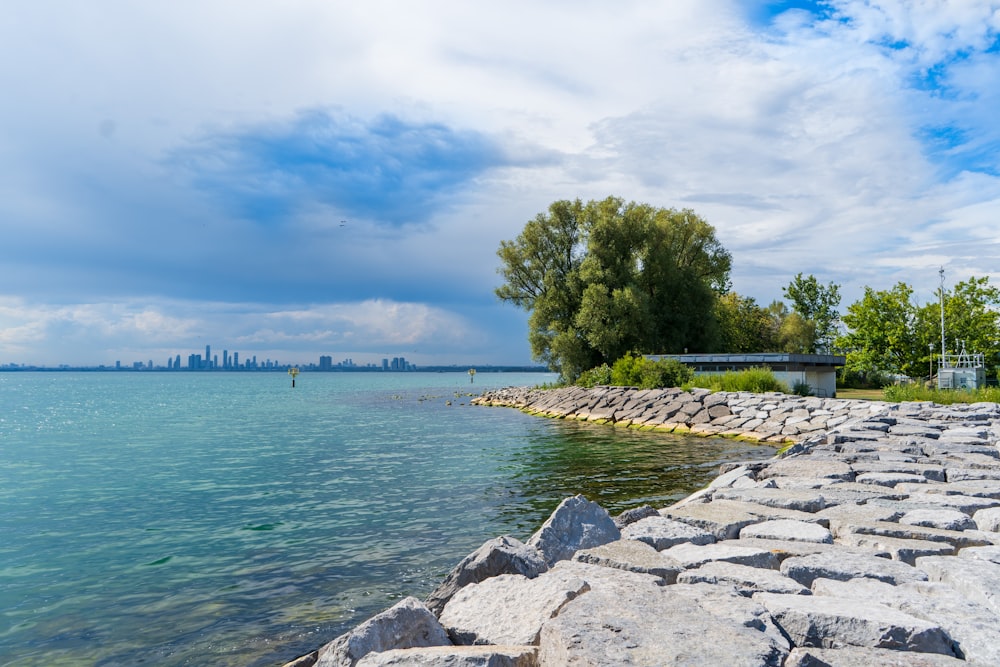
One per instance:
(319, 177)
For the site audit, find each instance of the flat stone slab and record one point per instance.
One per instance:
(972, 626)
(990, 553)
(849, 656)
(690, 555)
(785, 529)
(958, 539)
(747, 580)
(945, 519)
(889, 479)
(454, 656)
(662, 533)
(906, 551)
(828, 622)
(987, 519)
(722, 519)
(508, 609)
(844, 565)
(789, 499)
(803, 467)
(652, 627)
(634, 556)
(977, 579)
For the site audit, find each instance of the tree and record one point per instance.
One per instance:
(816, 304)
(743, 325)
(606, 277)
(881, 337)
(971, 316)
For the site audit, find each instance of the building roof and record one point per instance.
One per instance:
(757, 358)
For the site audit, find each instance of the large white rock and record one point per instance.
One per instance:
(745, 579)
(633, 556)
(786, 529)
(407, 624)
(828, 622)
(662, 533)
(454, 656)
(653, 627)
(867, 657)
(508, 609)
(844, 565)
(972, 626)
(501, 555)
(576, 524)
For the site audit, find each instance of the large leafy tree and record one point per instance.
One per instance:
(744, 326)
(607, 277)
(816, 304)
(881, 337)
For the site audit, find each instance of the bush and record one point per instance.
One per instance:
(595, 376)
(858, 380)
(802, 389)
(756, 380)
(634, 370)
(915, 392)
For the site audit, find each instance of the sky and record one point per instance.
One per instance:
(306, 177)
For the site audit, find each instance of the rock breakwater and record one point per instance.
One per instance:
(873, 540)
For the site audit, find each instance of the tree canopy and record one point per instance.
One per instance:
(607, 277)
(889, 333)
(817, 305)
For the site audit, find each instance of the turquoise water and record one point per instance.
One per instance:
(228, 519)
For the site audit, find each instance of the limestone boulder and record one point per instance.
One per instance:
(866, 657)
(633, 556)
(501, 555)
(406, 624)
(576, 523)
(842, 565)
(508, 609)
(454, 656)
(662, 533)
(653, 627)
(786, 529)
(828, 622)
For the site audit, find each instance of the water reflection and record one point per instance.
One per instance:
(616, 467)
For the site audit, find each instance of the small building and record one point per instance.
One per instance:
(961, 371)
(819, 371)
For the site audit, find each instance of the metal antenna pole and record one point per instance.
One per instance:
(944, 350)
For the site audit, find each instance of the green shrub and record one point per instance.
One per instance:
(756, 380)
(802, 389)
(859, 380)
(917, 392)
(595, 376)
(634, 370)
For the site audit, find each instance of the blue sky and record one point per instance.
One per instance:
(322, 177)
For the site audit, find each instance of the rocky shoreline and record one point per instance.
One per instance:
(872, 539)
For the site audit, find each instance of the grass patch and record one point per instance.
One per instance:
(861, 394)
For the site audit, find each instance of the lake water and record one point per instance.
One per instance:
(229, 519)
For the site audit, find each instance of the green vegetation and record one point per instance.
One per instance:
(916, 392)
(634, 370)
(606, 277)
(756, 380)
(595, 376)
(889, 333)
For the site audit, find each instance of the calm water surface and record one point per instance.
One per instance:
(228, 519)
